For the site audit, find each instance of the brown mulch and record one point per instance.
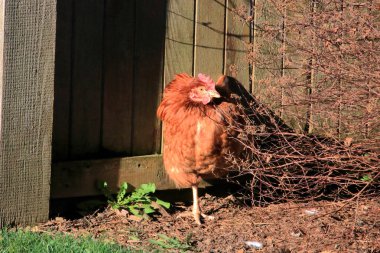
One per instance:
(351, 226)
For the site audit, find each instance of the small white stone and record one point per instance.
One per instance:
(254, 244)
(311, 212)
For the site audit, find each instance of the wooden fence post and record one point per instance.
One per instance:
(27, 46)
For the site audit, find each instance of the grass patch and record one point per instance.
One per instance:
(25, 241)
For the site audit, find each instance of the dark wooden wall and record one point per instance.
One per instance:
(109, 65)
(113, 58)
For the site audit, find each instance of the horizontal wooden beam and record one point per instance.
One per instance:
(81, 178)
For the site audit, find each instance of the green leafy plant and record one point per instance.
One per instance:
(166, 242)
(366, 178)
(140, 202)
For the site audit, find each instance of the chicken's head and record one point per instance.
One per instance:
(204, 90)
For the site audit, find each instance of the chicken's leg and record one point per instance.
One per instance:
(196, 210)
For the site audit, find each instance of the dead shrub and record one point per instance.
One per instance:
(316, 64)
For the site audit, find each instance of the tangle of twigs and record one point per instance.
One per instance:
(318, 63)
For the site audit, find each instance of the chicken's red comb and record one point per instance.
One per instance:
(207, 80)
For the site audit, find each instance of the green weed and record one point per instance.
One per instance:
(140, 202)
(366, 178)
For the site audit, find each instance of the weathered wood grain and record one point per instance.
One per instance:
(62, 81)
(179, 41)
(295, 95)
(209, 37)
(118, 77)
(237, 37)
(26, 111)
(81, 178)
(269, 65)
(148, 75)
(86, 108)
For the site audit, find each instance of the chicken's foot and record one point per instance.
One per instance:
(187, 214)
(196, 213)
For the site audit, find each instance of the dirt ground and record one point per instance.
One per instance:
(352, 226)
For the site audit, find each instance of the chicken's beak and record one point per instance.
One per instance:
(213, 94)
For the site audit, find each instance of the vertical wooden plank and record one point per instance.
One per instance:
(2, 39)
(283, 53)
(311, 76)
(268, 66)
(118, 77)
(179, 38)
(295, 96)
(87, 78)
(62, 81)
(339, 126)
(209, 37)
(238, 35)
(148, 75)
(253, 41)
(27, 83)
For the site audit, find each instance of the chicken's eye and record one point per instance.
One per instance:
(202, 89)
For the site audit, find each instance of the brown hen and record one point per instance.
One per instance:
(196, 133)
